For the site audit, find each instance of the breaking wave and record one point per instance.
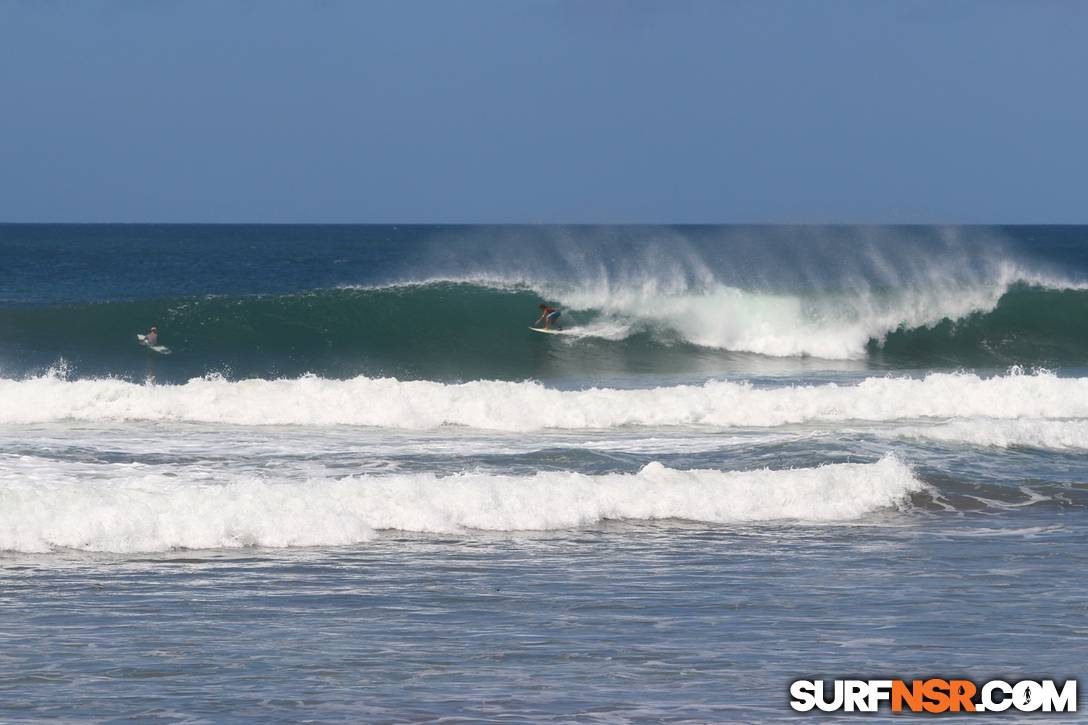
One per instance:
(134, 508)
(529, 406)
(447, 330)
(1058, 435)
(453, 304)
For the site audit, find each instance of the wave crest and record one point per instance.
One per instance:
(529, 406)
(459, 331)
(133, 510)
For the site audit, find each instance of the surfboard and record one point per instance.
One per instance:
(161, 349)
(546, 332)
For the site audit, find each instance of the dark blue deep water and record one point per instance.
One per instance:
(354, 486)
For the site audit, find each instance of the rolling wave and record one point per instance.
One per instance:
(530, 406)
(126, 508)
(466, 331)
(1057, 435)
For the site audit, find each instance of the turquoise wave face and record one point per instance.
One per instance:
(1029, 326)
(462, 331)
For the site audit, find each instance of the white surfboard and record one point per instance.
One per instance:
(161, 349)
(546, 332)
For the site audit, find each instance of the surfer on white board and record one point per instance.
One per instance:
(152, 337)
(548, 315)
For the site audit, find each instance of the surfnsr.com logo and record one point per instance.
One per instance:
(933, 695)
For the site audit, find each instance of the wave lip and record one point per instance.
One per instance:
(133, 510)
(529, 406)
(834, 324)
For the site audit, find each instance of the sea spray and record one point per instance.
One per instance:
(461, 330)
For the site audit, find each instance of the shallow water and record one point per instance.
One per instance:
(626, 621)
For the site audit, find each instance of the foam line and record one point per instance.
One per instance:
(46, 505)
(528, 406)
(1028, 433)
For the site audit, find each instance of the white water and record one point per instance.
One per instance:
(678, 296)
(778, 325)
(528, 406)
(46, 505)
(836, 326)
(1029, 433)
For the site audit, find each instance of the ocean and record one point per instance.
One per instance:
(359, 488)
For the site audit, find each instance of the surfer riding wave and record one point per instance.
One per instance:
(549, 316)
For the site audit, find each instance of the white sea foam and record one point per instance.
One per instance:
(1028, 432)
(528, 406)
(778, 325)
(690, 304)
(832, 326)
(46, 505)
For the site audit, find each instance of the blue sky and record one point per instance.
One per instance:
(531, 111)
